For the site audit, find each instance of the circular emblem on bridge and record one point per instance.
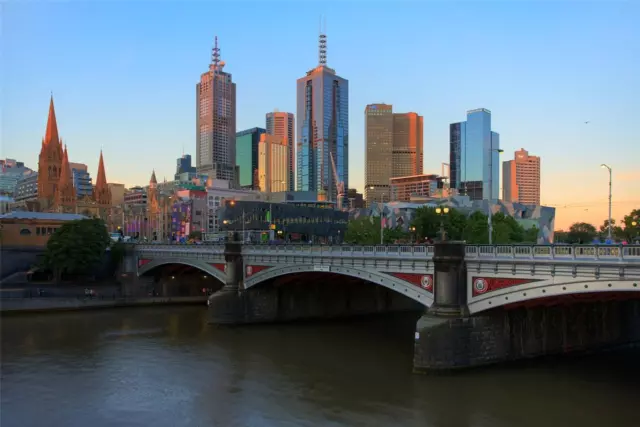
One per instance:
(480, 285)
(427, 282)
(249, 270)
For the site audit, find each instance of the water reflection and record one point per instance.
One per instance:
(167, 367)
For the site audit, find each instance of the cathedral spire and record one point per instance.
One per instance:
(101, 179)
(51, 135)
(153, 178)
(66, 194)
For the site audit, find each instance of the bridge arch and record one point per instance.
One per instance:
(195, 263)
(388, 281)
(546, 291)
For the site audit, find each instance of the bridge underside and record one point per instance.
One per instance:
(177, 279)
(308, 295)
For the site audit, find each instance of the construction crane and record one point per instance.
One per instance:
(339, 184)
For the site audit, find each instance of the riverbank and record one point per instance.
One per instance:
(11, 306)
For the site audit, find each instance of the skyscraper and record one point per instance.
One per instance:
(323, 128)
(394, 146)
(216, 121)
(521, 179)
(474, 156)
(281, 125)
(273, 163)
(247, 156)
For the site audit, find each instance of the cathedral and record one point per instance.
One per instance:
(56, 192)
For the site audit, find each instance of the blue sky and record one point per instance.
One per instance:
(123, 76)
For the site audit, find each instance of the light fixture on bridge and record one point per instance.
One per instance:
(173, 277)
(442, 212)
(204, 277)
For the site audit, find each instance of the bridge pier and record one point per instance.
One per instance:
(448, 337)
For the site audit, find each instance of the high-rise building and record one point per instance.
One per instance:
(183, 166)
(394, 148)
(403, 188)
(323, 129)
(282, 125)
(474, 156)
(378, 123)
(216, 121)
(273, 164)
(82, 182)
(521, 179)
(247, 157)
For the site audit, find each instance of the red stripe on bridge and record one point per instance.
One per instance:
(424, 281)
(250, 270)
(482, 285)
(218, 266)
(143, 261)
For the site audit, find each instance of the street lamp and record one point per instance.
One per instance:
(442, 212)
(490, 216)
(381, 215)
(412, 229)
(610, 176)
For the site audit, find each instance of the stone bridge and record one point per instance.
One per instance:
(474, 297)
(495, 275)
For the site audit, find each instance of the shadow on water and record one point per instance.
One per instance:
(169, 367)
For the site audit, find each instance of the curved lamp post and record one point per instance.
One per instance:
(610, 176)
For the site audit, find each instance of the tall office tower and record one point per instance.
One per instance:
(474, 156)
(247, 157)
(322, 129)
(216, 121)
(378, 169)
(282, 125)
(273, 163)
(407, 144)
(521, 179)
(393, 144)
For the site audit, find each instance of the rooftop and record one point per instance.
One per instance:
(42, 215)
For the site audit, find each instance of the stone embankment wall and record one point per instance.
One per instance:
(508, 335)
(26, 305)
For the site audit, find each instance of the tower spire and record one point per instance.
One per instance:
(215, 54)
(51, 134)
(101, 179)
(322, 43)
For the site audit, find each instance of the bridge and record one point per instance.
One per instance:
(449, 281)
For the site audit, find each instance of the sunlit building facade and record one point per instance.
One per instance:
(282, 125)
(273, 164)
(474, 156)
(322, 129)
(521, 179)
(247, 156)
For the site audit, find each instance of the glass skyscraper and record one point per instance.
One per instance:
(322, 129)
(474, 156)
(247, 156)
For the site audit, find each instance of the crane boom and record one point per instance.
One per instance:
(339, 184)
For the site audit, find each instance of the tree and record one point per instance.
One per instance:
(366, 231)
(581, 232)
(616, 231)
(631, 232)
(77, 247)
(195, 235)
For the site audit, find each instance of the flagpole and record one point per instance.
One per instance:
(243, 236)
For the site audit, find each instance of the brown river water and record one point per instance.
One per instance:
(165, 366)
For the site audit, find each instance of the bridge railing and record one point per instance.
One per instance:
(373, 251)
(556, 252)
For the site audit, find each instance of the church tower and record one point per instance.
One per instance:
(101, 191)
(49, 162)
(65, 196)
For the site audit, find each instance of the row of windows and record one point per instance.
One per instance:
(40, 231)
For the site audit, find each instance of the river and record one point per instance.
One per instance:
(166, 366)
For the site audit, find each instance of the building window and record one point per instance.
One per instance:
(25, 232)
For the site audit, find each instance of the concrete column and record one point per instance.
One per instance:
(229, 305)
(450, 279)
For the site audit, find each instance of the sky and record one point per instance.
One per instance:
(123, 76)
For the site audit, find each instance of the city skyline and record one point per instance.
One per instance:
(547, 117)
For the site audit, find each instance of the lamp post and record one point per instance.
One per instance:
(381, 215)
(610, 176)
(442, 212)
(412, 229)
(490, 216)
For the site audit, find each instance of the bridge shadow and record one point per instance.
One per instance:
(177, 280)
(325, 295)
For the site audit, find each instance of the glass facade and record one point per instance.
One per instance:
(474, 157)
(82, 182)
(322, 131)
(247, 155)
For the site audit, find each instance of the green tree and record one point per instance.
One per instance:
(616, 231)
(77, 247)
(427, 223)
(195, 235)
(581, 232)
(366, 231)
(476, 231)
(631, 232)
